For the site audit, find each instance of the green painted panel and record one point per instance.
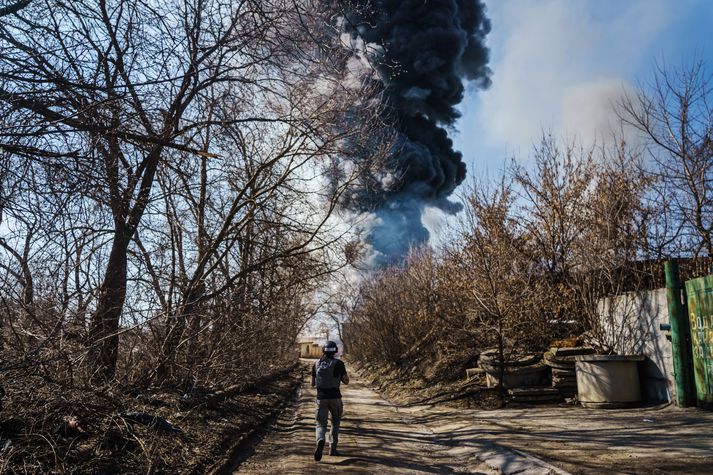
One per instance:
(700, 308)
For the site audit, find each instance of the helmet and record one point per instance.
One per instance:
(330, 348)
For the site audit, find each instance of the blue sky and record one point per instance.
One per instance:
(559, 64)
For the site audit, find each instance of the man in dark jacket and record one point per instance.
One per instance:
(327, 373)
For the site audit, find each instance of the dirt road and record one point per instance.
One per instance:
(376, 437)
(588, 441)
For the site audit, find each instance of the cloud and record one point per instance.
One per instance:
(558, 65)
(587, 110)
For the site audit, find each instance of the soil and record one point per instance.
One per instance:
(404, 390)
(58, 429)
(647, 440)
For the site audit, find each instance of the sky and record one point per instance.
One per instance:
(559, 64)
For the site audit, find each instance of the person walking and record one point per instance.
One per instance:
(327, 374)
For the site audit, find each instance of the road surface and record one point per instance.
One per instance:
(375, 437)
(378, 437)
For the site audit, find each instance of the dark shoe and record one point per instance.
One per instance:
(318, 450)
(334, 452)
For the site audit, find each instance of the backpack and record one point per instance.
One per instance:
(324, 371)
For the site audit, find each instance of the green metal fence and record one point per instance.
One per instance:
(699, 296)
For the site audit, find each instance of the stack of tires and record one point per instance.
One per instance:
(525, 370)
(525, 378)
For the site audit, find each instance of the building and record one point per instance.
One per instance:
(308, 348)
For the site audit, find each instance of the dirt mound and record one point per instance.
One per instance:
(410, 389)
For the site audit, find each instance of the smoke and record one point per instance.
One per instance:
(421, 52)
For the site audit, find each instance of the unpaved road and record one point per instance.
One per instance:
(647, 441)
(376, 437)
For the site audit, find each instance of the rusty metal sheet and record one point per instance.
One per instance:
(700, 310)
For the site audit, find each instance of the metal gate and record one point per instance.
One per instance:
(699, 294)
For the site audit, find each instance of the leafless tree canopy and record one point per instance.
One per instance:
(675, 116)
(167, 177)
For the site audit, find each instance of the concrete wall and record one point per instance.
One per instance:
(630, 325)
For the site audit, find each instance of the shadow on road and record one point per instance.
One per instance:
(375, 438)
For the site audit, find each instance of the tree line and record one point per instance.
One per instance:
(168, 172)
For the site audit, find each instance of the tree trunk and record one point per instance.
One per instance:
(28, 290)
(188, 318)
(105, 321)
(176, 327)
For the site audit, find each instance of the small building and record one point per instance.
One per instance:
(309, 349)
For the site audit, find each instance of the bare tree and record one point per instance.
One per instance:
(504, 284)
(613, 251)
(555, 196)
(124, 93)
(675, 116)
(8, 8)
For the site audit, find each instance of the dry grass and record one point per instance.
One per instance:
(59, 429)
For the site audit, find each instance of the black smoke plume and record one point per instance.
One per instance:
(422, 52)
